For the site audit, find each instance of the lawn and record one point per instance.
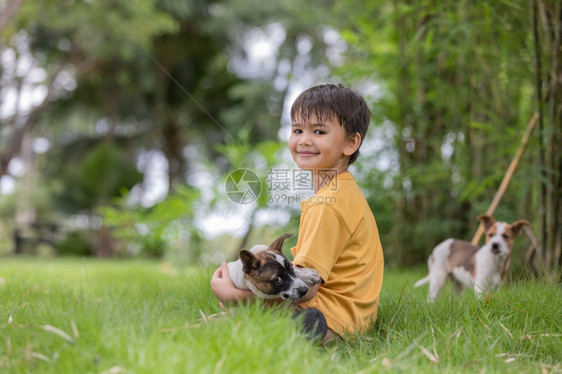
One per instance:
(92, 316)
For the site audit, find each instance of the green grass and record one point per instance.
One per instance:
(90, 316)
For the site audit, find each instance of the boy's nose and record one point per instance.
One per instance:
(305, 139)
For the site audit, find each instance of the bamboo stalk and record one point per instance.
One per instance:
(536, 7)
(508, 175)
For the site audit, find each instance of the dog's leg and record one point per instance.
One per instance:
(478, 289)
(481, 285)
(437, 280)
(457, 285)
(309, 276)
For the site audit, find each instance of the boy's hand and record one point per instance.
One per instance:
(224, 289)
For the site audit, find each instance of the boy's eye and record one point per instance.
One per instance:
(297, 131)
(319, 132)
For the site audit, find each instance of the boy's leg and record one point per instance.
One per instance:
(313, 323)
(331, 338)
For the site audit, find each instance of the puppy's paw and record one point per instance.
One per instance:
(309, 276)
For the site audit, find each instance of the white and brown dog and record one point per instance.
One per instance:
(481, 269)
(270, 275)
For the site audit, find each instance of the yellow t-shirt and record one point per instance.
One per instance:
(338, 237)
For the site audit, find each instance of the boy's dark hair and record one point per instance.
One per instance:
(329, 100)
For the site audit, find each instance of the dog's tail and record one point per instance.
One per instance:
(422, 281)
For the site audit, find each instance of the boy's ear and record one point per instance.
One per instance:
(352, 144)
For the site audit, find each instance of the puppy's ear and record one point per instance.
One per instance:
(249, 261)
(518, 225)
(277, 245)
(487, 221)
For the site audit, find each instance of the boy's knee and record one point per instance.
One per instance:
(313, 322)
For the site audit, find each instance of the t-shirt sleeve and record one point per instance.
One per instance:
(323, 235)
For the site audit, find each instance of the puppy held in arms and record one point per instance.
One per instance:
(481, 269)
(270, 275)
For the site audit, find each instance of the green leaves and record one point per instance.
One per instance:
(101, 175)
(152, 231)
(105, 29)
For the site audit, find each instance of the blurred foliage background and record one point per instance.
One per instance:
(120, 121)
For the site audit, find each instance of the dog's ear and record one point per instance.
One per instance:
(277, 245)
(487, 221)
(518, 225)
(249, 261)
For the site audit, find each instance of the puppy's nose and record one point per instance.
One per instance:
(302, 291)
(495, 248)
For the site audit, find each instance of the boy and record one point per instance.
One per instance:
(338, 235)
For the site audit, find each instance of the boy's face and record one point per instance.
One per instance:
(321, 145)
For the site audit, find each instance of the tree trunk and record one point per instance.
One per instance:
(104, 245)
(403, 122)
(14, 146)
(9, 11)
(549, 14)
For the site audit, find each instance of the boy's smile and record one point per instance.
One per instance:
(321, 145)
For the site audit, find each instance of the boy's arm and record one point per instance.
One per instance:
(310, 294)
(224, 289)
